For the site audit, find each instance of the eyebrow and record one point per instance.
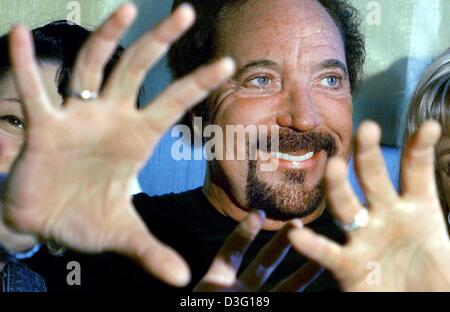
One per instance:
(334, 63)
(329, 63)
(11, 100)
(253, 64)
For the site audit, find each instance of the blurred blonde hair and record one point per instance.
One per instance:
(431, 100)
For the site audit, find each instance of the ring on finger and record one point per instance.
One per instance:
(360, 220)
(84, 95)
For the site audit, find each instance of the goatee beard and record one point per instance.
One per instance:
(291, 197)
(288, 200)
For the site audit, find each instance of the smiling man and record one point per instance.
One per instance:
(298, 62)
(291, 73)
(297, 65)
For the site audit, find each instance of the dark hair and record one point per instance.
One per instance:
(198, 45)
(57, 42)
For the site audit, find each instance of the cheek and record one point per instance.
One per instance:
(239, 112)
(244, 117)
(9, 148)
(337, 117)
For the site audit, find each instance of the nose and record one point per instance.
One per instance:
(299, 111)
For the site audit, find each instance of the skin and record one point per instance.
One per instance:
(223, 272)
(35, 198)
(443, 166)
(12, 120)
(294, 91)
(405, 237)
(405, 240)
(403, 247)
(54, 204)
(94, 159)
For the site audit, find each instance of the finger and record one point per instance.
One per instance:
(268, 258)
(160, 260)
(317, 248)
(174, 102)
(129, 74)
(27, 77)
(99, 48)
(344, 204)
(227, 262)
(300, 279)
(370, 167)
(417, 170)
(95, 54)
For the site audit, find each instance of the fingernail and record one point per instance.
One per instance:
(261, 214)
(229, 63)
(187, 9)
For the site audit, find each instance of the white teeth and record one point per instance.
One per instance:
(293, 158)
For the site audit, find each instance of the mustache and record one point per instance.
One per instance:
(292, 141)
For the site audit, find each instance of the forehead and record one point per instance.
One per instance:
(48, 74)
(283, 30)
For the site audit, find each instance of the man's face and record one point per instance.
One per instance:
(291, 73)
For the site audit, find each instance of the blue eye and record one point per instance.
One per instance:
(330, 82)
(260, 81)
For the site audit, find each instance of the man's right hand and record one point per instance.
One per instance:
(71, 181)
(222, 274)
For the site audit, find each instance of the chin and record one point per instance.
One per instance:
(291, 196)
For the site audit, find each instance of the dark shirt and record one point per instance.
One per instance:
(191, 225)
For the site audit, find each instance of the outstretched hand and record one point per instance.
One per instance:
(405, 245)
(222, 274)
(71, 181)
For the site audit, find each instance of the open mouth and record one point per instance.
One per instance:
(302, 159)
(293, 158)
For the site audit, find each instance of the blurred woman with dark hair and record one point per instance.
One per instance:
(57, 45)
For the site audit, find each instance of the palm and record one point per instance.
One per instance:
(79, 164)
(395, 240)
(405, 245)
(71, 181)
